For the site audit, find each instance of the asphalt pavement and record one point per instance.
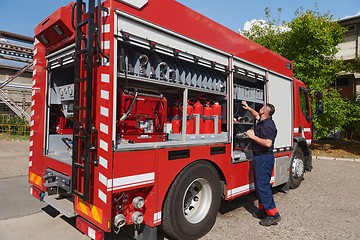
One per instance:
(325, 206)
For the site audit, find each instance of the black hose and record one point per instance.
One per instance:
(125, 115)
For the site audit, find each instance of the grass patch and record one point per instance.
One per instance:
(336, 148)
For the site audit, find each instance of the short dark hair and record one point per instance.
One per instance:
(272, 108)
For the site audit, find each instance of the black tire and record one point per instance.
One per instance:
(192, 203)
(297, 168)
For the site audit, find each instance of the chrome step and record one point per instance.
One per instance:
(63, 205)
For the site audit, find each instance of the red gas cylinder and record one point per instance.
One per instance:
(198, 113)
(173, 111)
(217, 112)
(208, 119)
(176, 124)
(189, 120)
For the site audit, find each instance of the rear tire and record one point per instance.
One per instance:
(297, 168)
(192, 203)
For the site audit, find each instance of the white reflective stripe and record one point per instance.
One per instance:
(105, 78)
(106, 28)
(91, 233)
(103, 179)
(31, 143)
(35, 61)
(31, 133)
(157, 217)
(34, 82)
(31, 153)
(36, 41)
(103, 145)
(135, 3)
(241, 189)
(32, 92)
(130, 181)
(308, 141)
(106, 44)
(132, 185)
(104, 94)
(103, 162)
(32, 113)
(33, 103)
(32, 123)
(30, 163)
(296, 130)
(104, 128)
(104, 13)
(34, 72)
(104, 111)
(102, 196)
(105, 62)
(307, 129)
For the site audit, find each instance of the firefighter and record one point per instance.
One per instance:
(263, 137)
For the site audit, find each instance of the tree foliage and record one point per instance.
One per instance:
(310, 41)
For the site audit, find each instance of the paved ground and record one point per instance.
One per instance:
(325, 206)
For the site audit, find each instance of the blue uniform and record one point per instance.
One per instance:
(263, 163)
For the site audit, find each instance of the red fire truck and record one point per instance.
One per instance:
(136, 116)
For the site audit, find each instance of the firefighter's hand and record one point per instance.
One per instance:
(250, 133)
(245, 105)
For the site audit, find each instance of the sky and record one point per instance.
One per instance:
(21, 16)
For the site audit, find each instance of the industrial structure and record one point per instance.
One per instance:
(16, 60)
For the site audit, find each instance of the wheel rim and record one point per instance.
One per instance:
(197, 200)
(297, 167)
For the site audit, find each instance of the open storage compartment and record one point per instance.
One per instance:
(168, 97)
(249, 85)
(60, 105)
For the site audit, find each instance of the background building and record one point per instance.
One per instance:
(348, 84)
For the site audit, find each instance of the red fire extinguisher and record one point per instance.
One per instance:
(198, 113)
(173, 111)
(176, 124)
(208, 119)
(217, 112)
(189, 120)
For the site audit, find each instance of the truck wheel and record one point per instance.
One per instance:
(297, 168)
(192, 203)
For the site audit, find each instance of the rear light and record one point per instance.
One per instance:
(89, 229)
(37, 193)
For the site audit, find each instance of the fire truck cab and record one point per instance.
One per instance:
(137, 118)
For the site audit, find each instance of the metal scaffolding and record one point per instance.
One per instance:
(17, 53)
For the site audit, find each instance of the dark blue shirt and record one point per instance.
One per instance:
(265, 129)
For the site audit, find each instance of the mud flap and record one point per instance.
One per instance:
(308, 165)
(147, 233)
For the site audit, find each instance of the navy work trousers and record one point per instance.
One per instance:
(262, 166)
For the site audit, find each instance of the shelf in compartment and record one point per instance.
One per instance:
(241, 136)
(170, 84)
(254, 100)
(240, 123)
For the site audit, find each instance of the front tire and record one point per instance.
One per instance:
(192, 203)
(297, 168)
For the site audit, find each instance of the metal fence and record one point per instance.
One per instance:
(13, 125)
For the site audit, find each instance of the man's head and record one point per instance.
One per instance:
(267, 111)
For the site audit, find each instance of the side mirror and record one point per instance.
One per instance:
(319, 108)
(318, 95)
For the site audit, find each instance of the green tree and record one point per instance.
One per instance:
(310, 41)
